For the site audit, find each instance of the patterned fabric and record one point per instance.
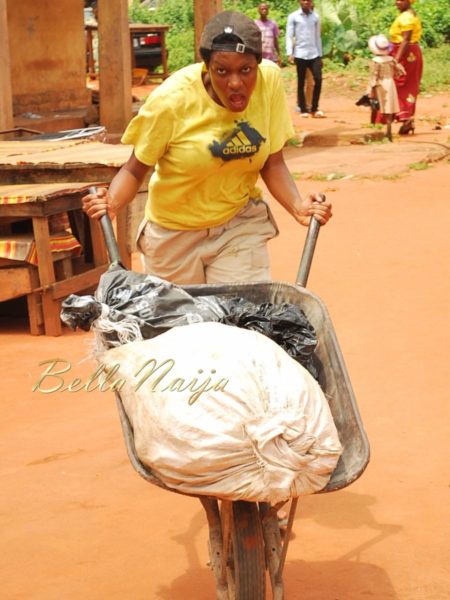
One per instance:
(408, 85)
(22, 247)
(13, 199)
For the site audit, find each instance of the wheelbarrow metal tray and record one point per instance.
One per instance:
(333, 378)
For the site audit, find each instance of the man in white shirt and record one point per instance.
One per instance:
(304, 48)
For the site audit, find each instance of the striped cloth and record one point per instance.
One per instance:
(22, 247)
(13, 199)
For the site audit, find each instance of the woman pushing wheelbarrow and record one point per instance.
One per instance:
(204, 136)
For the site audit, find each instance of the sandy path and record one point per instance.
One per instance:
(77, 522)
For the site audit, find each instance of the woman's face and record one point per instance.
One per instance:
(233, 79)
(402, 5)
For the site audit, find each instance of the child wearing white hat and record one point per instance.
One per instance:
(383, 69)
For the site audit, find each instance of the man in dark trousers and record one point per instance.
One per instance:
(304, 48)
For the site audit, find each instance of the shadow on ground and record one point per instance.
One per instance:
(345, 578)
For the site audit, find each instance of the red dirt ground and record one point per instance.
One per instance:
(78, 522)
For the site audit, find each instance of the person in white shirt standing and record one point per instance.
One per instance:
(304, 48)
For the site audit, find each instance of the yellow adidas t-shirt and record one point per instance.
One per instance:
(406, 21)
(207, 159)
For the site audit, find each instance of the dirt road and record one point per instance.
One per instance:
(78, 523)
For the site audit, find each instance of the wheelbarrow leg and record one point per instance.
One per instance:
(216, 543)
(287, 536)
(226, 517)
(276, 548)
(272, 545)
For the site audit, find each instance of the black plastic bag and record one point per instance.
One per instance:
(286, 324)
(127, 303)
(128, 306)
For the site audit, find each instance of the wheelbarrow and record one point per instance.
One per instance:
(245, 539)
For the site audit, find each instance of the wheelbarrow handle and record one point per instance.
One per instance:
(308, 252)
(108, 234)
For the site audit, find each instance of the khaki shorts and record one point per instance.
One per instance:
(234, 251)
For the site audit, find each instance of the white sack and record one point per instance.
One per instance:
(219, 410)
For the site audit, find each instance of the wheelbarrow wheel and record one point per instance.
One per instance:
(246, 562)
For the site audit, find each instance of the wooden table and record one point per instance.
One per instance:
(67, 161)
(46, 161)
(154, 29)
(39, 203)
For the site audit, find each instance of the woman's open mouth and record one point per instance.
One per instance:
(237, 102)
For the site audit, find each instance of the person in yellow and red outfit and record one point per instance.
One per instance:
(205, 136)
(405, 33)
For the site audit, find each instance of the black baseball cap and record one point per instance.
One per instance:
(232, 23)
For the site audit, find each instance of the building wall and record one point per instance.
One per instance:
(48, 55)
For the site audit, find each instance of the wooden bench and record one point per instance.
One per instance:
(56, 275)
(70, 161)
(23, 281)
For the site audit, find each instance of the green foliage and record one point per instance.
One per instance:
(375, 17)
(346, 28)
(250, 7)
(348, 24)
(419, 166)
(179, 14)
(339, 27)
(435, 77)
(435, 17)
(138, 13)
